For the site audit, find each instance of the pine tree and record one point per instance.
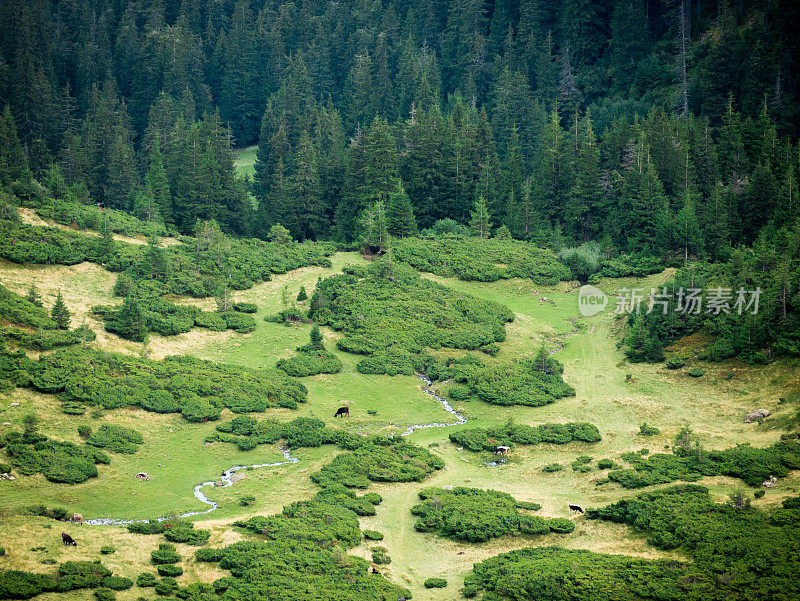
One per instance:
(106, 245)
(375, 237)
(687, 228)
(60, 314)
(157, 186)
(130, 322)
(316, 338)
(480, 221)
(12, 154)
(33, 296)
(584, 211)
(302, 295)
(400, 213)
(308, 214)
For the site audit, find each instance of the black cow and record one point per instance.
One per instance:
(575, 508)
(67, 540)
(342, 412)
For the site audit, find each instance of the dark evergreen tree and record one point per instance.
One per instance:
(59, 313)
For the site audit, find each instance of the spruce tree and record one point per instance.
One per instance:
(400, 213)
(316, 338)
(308, 214)
(130, 321)
(33, 296)
(12, 154)
(60, 314)
(480, 220)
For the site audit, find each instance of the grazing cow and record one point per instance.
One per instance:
(77, 518)
(342, 412)
(575, 508)
(67, 540)
(503, 450)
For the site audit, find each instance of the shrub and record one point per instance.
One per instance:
(581, 464)
(696, 372)
(561, 525)
(184, 532)
(373, 535)
(380, 556)
(245, 307)
(759, 493)
(552, 467)
(435, 583)
(166, 586)
(146, 579)
(207, 554)
(473, 515)
(645, 430)
(247, 500)
(117, 583)
(675, 362)
(607, 464)
(84, 431)
(478, 439)
(105, 594)
(107, 550)
(169, 570)
(302, 295)
(165, 554)
(116, 438)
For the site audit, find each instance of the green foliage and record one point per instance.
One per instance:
(245, 307)
(302, 295)
(380, 556)
(312, 360)
(116, 438)
(60, 314)
(63, 462)
(389, 319)
(483, 439)
(373, 535)
(552, 467)
(185, 532)
(247, 500)
(107, 550)
(475, 515)
(105, 594)
(208, 555)
(473, 259)
(696, 372)
(46, 340)
(19, 310)
(581, 464)
(198, 389)
(675, 362)
(117, 583)
(388, 461)
(645, 430)
(607, 464)
(435, 583)
(522, 382)
(146, 579)
(165, 554)
(169, 570)
(751, 464)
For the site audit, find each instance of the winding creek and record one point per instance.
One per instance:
(226, 479)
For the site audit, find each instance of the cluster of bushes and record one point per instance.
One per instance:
(166, 554)
(312, 359)
(378, 460)
(390, 314)
(63, 462)
(751, 464)
(531, 382)
(180, 384)
(116, 438)
(71, 575)
(135, 318)
(555, 574)
(475, 515)
(22, 243)
(488, 439)
(19, 310)
(729, 542)
(88, 217)
(47, 340)
(474, 259)
(174, 530)
(246, 433)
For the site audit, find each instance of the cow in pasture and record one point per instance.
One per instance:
(67, 540)
(503, 450)
(77, 518)
(575, 508)
(342, 412)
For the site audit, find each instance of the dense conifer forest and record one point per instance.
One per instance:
(224, 223)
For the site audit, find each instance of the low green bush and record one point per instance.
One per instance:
(107, 550)
(208, 554)
(166, 586)
(245, 307)
(168, 569)
(373, 535)
(675, 362)
(552, 467)
(696, 372)
(488, 439)
(105, 594)
(117, 583)
(380, 556)
(146, 579)
(607, 464)
(645, 430)
(165, 554)
(62, 462)
(474, 515)
(435, 583)
(118, 439)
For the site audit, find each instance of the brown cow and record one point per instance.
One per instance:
(77, 518)
(67, 540)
